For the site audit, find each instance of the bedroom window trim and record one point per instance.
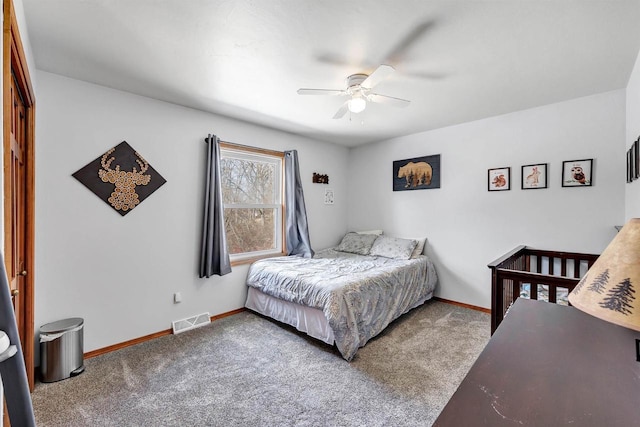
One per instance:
(233, 149)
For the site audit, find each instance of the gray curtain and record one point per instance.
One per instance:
(12, 370)
(297, 230)
(214, 256)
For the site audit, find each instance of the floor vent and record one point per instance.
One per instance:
(191, 323)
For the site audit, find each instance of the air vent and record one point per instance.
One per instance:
(191, 323)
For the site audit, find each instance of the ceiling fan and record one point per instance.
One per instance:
(358, 90)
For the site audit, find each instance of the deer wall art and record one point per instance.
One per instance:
(121, 177)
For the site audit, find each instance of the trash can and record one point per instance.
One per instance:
(61, 349)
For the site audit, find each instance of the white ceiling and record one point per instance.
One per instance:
(457, 61)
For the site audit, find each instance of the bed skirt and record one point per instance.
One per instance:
(309, 320)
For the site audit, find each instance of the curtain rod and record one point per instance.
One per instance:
(206, 140)
(250, 148)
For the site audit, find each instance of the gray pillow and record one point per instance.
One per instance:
(357, 243)
(393, 247)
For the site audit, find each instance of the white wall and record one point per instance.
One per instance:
(120, 273)
(466, 225)
(632, 198)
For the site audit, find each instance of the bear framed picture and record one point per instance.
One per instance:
(577, 173)
(419, 173)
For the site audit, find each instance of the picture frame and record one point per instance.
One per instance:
(633, 173)
(629, 179)
(499, 179)
(577, 173)
(636, 159)
(534, 176)
(418, 173)
(329, 197)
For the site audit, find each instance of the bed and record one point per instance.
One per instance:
(344, 295)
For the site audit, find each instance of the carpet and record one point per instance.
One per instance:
(247, 370)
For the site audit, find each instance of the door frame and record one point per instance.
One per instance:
(13, 59)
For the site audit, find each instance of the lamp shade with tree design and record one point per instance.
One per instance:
(609, 289)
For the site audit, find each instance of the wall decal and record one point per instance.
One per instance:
(121, 177)
(419, 173)
(320, 179)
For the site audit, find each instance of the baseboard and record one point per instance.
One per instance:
(461, 304)
(114, 347)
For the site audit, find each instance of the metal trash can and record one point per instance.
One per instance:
(61, 349)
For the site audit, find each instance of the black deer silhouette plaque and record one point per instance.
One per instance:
(121, 177)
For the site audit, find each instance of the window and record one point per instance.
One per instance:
(252, 187)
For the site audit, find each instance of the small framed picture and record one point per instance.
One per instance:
(577, 173)
(636, 159)
(500, 179)
(629, 165)
(328, 196)
(634, 164)
(534, 176)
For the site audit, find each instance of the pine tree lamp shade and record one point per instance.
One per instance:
(608, 290)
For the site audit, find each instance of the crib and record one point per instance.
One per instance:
(537, 274)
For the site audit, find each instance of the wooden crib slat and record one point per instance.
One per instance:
(563, 267)
(552, 294)
(576, 268)
(533, 291)
(539, 264)
(552, 262)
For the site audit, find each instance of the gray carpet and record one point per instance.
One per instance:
(246, 370)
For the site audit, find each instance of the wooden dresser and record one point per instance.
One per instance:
(550, 365)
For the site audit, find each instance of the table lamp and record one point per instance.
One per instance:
(608, 290)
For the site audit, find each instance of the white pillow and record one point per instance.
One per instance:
(393, 247)
(419, 247)
(376, 232)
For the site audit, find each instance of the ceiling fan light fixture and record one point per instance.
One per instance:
(357, 104)
(359, 92)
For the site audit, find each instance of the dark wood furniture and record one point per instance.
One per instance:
(550, 365)
(537, 268)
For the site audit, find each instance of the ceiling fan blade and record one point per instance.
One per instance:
(304, 91)
(400, 50)
(334, 59)
(342, 111)
(384, 99)
(427, 75)
(380, 73)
